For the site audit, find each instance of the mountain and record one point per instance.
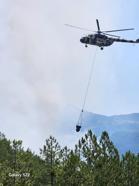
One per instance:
(123, 129)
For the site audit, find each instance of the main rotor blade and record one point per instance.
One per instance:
(98, 25)
(79, 28)
(119, 30)
(110, 35)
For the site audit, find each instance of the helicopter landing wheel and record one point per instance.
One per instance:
(101, 48)
(86, 46)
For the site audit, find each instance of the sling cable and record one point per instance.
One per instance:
(80, 120)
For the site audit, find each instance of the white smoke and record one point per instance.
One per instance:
(30, 72)
(39, 64)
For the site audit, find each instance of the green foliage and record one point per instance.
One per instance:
(93, 162)
(130, 169)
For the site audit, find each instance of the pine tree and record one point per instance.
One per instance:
(130, 167)
(51, 153)
(93, 162)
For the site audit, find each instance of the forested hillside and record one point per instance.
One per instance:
(123, 129)
(93, 162)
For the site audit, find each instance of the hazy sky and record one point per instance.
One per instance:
(44, 67)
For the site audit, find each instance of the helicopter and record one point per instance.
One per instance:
(103, 38)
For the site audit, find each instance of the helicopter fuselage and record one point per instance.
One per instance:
(101, 38)
(97, 39)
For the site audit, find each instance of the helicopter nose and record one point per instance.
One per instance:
(82, 40)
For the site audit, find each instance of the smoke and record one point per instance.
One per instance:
(42, 63)
(31, 94)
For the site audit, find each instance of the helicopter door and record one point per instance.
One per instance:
(90, 40)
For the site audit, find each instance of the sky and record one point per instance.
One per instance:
(44, 69)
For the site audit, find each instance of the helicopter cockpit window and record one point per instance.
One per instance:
(91, 36)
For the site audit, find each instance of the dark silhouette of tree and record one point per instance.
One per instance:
(93, 162)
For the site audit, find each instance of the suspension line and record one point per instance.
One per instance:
(80, 120)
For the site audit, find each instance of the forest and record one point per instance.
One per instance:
(93, 162)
